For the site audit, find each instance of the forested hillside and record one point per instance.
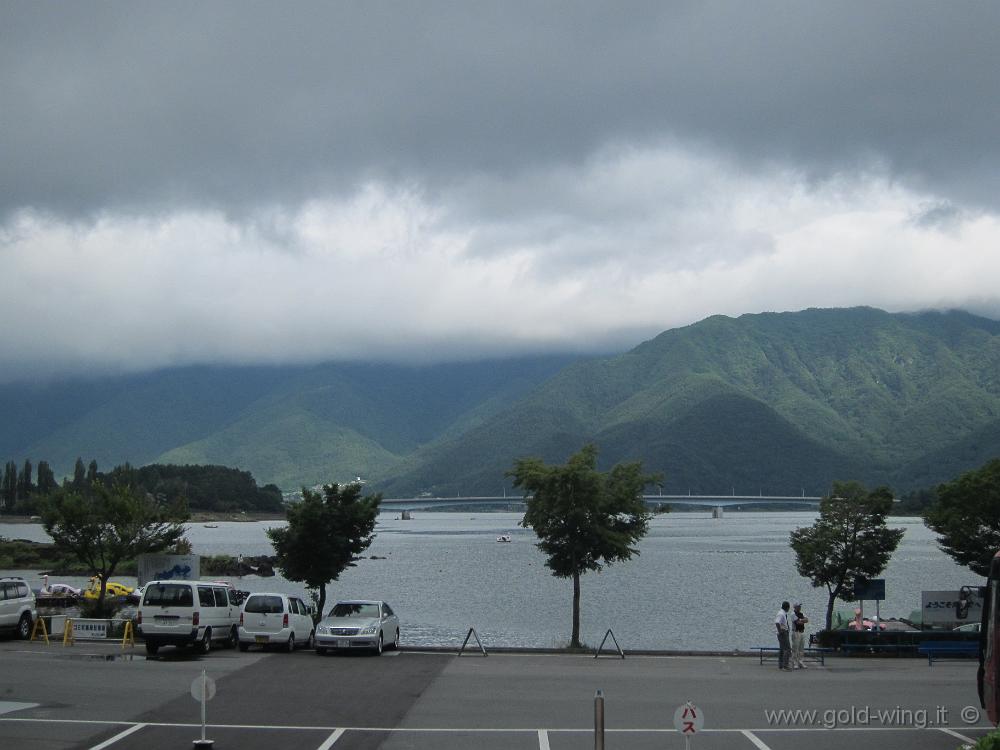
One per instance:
(291, 426)
(24, 491)
(776, 403)
(771, 403)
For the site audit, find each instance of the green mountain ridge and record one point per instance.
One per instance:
(810, 397)
(777, 403)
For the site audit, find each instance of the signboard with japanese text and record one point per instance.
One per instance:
(941, 607)
(85, 630)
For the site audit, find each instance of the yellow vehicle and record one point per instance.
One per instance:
(93, 591)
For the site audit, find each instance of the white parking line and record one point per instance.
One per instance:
(7, 707)
(757, 741)
(331, 739)
(962, 737)
(120, 735)
(543, 734)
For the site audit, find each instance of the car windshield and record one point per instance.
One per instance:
(264, 605)
(354, 609)
(167, 594)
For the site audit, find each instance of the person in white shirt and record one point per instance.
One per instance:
(784, 646)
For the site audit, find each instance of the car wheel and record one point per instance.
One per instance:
(378, 646)
(320, 651)
(152, 649)
(244, 646)
(290, 646)
(311, 642)
(24, 627)
(234, 638)
(206, 643)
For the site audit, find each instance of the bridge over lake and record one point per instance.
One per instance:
(708, 501)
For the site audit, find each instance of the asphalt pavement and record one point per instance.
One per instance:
(96, 696)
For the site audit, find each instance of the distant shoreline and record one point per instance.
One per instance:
(200, 516)
(196, 517)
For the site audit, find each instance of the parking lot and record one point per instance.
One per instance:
(87, 696)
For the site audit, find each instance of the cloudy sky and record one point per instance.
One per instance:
(421, 181)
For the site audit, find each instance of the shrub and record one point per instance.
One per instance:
(990, 741)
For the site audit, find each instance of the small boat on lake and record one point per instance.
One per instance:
(211, 525)
(503, 538)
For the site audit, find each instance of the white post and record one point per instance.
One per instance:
(204, 700)
(599, 720)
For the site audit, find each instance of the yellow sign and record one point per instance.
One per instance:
(40, 625)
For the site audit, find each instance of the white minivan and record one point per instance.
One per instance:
(184, 613)
(275, 619)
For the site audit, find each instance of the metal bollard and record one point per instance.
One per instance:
(599, 720)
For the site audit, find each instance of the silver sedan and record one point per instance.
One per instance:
(358, 623)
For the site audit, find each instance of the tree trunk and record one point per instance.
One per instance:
(575, 640)
(100, 596)
(322, 600)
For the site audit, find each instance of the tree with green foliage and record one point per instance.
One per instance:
(326, 533)
(108, 524)
(46, 479)
(915, 503)
(849, 540)
(8, 487)
(25, 484)
(584, 519)
(215, 488)
(966, 515)
(79, 475)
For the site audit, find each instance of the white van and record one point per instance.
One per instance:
(275, 619)
(184, 613)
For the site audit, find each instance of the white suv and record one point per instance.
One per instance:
(275, 619)
(17, 607)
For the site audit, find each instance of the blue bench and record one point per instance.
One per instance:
(811, 653)
(942, 649)
(878, 648)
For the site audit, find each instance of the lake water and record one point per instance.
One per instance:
(699, 582)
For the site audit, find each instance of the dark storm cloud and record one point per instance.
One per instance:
(289, 182)
(128, 106)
